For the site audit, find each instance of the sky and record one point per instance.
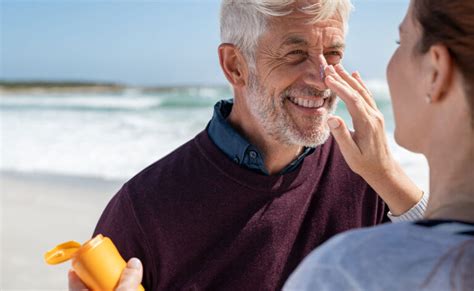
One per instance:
(155, 43)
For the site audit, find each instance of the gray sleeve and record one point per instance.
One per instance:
(321, 278)
(322, 269)
(415, 213)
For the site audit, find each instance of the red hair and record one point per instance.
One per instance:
(451, 23)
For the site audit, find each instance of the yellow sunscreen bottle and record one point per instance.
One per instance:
(97, 262)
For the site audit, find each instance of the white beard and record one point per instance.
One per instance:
(271, 113)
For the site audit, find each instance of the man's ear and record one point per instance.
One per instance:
(233, 64)
(440, 73)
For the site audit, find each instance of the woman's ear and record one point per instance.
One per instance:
(440, 73)
(233, 64)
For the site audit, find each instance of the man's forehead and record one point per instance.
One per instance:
(327, 32)
(304, 21)
(299, 28)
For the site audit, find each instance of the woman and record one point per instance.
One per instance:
(431, 79)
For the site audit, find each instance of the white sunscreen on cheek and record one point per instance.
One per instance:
(322, 66)
(322, 75)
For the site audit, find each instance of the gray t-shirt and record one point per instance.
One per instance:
(427, 255)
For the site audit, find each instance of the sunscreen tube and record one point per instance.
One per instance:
(97, 262)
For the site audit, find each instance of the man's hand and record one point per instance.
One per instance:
(366, 150)
(130, 279)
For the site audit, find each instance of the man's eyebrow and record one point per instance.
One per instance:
(337, 46)
(294, 40)
(401, 29)
(297, 40)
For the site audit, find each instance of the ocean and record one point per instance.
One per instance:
(114, 136)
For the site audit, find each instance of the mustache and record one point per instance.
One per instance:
(306, 91)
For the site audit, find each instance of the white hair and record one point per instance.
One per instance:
(242, 22)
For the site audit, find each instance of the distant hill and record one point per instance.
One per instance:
(68, 86)
(18, 87)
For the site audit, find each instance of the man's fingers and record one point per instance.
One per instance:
(343, 138)
(75, 284)
(131, 276)
(130, 279)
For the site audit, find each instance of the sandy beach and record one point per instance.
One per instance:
(38, 212)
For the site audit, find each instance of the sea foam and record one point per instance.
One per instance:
(114, 136)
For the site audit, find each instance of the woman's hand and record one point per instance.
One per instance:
(366, 150)
(129, 280)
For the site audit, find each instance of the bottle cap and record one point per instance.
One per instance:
(62, 252)
(90, 244)
(67, 250)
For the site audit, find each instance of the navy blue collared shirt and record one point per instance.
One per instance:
(236, 147)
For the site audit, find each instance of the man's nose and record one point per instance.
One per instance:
(314, 72)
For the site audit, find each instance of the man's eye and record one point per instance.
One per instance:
(333, 57)
(334, 53)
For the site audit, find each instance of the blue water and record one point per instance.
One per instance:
(114, 136)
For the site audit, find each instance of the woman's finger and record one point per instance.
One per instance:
(357, 76)
(343, 137)
(357, 85)
(354, 102)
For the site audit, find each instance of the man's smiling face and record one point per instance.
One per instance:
(287, 94)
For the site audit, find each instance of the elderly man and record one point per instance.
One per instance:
(241, 204)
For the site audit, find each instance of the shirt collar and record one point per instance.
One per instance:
(236, 147)
(224, 136)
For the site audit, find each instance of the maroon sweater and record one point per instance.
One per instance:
(199, 221)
